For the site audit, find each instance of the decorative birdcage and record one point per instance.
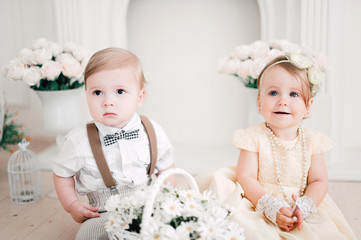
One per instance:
(24, 176)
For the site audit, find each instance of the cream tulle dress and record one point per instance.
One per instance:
(327, 224)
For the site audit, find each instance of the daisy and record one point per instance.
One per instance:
(172, 207)
(178, 214)
(215, 211)
(185, 194)
(158, 231)
(186, 229)
(211, 229)
(152, 232)
(234, 233)
(115, 224)
(191, 207)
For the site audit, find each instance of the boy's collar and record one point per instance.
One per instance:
(131, 125)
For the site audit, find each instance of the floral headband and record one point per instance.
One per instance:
(315, 75)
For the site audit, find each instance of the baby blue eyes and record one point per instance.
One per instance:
(275, 93)
(293, 94)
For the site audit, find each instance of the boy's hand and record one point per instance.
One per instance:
(81, 211)
(284, 219)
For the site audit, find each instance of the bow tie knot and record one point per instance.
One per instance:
(110, 139)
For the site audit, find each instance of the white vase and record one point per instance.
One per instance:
(254, 117)
(61, 110)
(61, 113)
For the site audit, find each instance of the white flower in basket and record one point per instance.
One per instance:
(166, 212)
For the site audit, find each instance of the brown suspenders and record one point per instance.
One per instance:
(98, 154)
(152, 143)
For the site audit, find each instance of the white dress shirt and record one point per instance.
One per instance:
(128, 160)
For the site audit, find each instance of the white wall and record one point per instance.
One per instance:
(180, 44)
(351, 82)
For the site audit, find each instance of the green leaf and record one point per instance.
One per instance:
(63, 87)
(175, 222)
(61, 79)
(53, 86)
(76, 84)
(249, 82)
(60, 83)
(12, 132)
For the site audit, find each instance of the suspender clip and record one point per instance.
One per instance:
(113, 190)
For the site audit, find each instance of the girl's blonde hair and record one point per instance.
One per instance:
(113, 58)
(300, 75)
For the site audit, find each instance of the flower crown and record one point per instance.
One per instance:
(314, 74)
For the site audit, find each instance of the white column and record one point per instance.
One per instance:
(95, 24)
(266, 12)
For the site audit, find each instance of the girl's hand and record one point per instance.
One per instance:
(298, 214)
(284, 219)
(81, 211)
(277, 211)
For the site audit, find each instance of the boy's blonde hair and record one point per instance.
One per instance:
(300, 75)
(112, 58)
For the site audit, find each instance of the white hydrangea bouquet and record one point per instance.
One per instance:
(166, 212)
(49, 66)
(247, 61)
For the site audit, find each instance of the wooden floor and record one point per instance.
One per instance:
(46, 219)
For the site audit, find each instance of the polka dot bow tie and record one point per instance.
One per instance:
(110, 139)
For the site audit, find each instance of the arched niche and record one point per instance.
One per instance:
(180, 45)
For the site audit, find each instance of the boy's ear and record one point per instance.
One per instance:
(141, 97)
(258, 104)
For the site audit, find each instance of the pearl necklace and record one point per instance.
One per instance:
(275, 142)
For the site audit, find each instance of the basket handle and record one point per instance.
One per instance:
(148, 207)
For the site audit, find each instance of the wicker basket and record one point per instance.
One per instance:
(148, 207)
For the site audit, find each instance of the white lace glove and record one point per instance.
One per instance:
(269, 206)
(306, 205)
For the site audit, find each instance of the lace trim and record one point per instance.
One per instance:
(269, 206)
(306, 205)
